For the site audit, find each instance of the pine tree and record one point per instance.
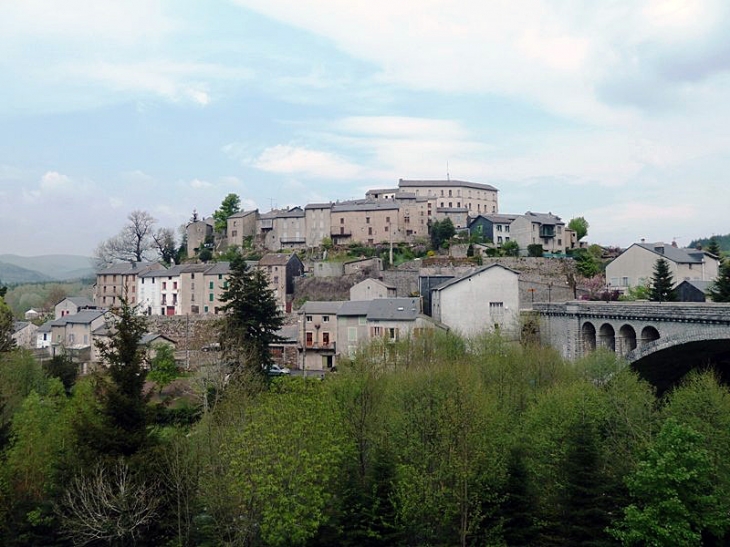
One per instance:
(252, 316)
(720, 290)
(662, 283)
(124, 402)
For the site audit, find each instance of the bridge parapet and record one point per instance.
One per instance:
(695, 312)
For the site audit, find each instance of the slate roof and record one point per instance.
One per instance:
(79, 301)
(452, 210)
(150, 337)
(294, 212)
(169, 272)
(318, 306)
(45, 327)
(84, 317)
(394, 309)
(127, 268)
(194, 268)
(219, 268)
(275, 259)
(498, 218)
(365, 205)
(378, 281)
(456, 280)
(319, 205)
(289, 333)
(446, 183)
(544, 218)
(675, 254)
(699, 285)
(20, 325)
(241, 214)
(353, 308)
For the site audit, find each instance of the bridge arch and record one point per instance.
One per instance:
(588, 335)
(649, 334)
(626, 339)
(607, 336)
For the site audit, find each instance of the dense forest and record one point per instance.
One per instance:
(428, 441)
(723, 242)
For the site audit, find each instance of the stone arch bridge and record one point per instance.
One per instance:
(661, 340)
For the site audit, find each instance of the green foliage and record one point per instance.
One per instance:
(580, 226)
(587, 264)
(719, 291)
(723, 243)
(62, 367)
(674, 492)
(6, 327)
(21, 298)
(511, 248)
(535, 250)
(662, 283)
(637, 292)
(205, 255)
(20, 374)
(124, 400)
(163, 368)
(252, 317)
(231, 204)
(440, 232)
(713, 246)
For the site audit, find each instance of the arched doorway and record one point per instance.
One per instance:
(607, 337)
(649, 334)
(627, 339)
(588, 332)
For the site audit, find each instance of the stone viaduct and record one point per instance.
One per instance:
(661, 340)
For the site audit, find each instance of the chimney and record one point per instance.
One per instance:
(659, 248)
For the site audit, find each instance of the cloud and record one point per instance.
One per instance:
(198, 184)
(290, 159)
(54, 181)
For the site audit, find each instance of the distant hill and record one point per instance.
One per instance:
(722, 241)
(30, 269)
(12, 275)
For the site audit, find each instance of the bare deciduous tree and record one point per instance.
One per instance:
(110, 505)
(164, 243)
(132, 243)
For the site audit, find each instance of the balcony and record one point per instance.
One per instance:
(547, 231)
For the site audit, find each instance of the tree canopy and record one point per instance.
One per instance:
(441, 231)
(580, 226)
(230, 205)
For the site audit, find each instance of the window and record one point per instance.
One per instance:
(164, 285)
(210, 297)
(352, 334)
(205, 309)
(220, 277)
(386, 228)
(393, 334)
(174, 285)
(499, 227)
(449, 193)
(624, 281)
(325, 319)
(387, 219)
(362, 320)
(310, 339)
(370, 230)
(308, 319)
(376, 331)
(210, 285)
(234, 233)
(325, 338)
(342, 220)
(367, 220)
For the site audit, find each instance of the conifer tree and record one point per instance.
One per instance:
(720, 290)
(662, 283)
(252, 316)
(124, 401)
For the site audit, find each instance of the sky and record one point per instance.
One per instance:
(615, 111)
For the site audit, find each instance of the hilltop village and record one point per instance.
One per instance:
(331, 269)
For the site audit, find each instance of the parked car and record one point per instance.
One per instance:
(276, 370)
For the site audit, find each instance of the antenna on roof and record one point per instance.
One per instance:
(447, 170)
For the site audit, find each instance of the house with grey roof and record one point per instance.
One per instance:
(73, 334)
(281, 269)
(693, 291)
(71, 305)
(318, 334)
(635, 266)
(119, 281)
(370, 288)
(318, 222)
(485, 300)
(241, 227)
(545, 229)
(199, 234)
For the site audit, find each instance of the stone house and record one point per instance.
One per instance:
(635, 266)
(282, 269)
(73, 334)
(241, 226)
(215, 279)
(71, 305)
(494, 227)
(545, 229)
(393, 319)
(198, 231)
(192, 288)
(352, 326)
(24, 334)
(119, 281)
(365, 221)
(317, 219)
(484, 300)
(318, 335)
(368, 289)
(476, 197)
